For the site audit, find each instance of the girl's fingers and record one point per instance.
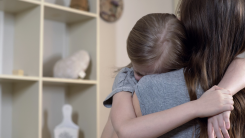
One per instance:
(216, 129)
(210, 129)
(228, 107)
(224, 91)
(222, 126)
(228, 97)
(228, 101)
(226, 116)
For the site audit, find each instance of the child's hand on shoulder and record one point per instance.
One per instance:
(213, 102)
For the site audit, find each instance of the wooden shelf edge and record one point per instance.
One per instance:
(71, 81)
(13, 77)
(32, 1)
(55, 6)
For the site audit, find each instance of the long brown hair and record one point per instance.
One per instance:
(216, 33)
(158, 40)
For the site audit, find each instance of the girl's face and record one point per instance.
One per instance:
(140, 71)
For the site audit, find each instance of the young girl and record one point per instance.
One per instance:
(156, 45)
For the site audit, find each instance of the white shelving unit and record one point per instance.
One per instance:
(34, 34)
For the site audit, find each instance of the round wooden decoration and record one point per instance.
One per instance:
(111, 10)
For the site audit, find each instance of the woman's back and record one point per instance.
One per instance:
(164, 91)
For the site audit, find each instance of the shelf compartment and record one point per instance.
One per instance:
(65, 14)
(16, 6)
(65, 5)
(62, 40)
(19, 109)
(82, 98)
(61, 81)
(20, 51)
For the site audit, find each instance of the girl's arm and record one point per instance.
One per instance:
(114, 135)
(234, 81)
(127, 125)
(108, 130)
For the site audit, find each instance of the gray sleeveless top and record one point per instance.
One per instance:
(157, 93)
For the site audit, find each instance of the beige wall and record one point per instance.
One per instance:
(113, 38)
(175, 4)
(107, 64)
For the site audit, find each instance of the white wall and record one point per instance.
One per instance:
(1, 47)
(113, 38)
(1, 39)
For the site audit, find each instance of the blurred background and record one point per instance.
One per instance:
(59, 52)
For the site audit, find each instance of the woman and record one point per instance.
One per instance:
(232, 47)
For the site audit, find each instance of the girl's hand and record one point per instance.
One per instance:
(217, 123)
(213, 102)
